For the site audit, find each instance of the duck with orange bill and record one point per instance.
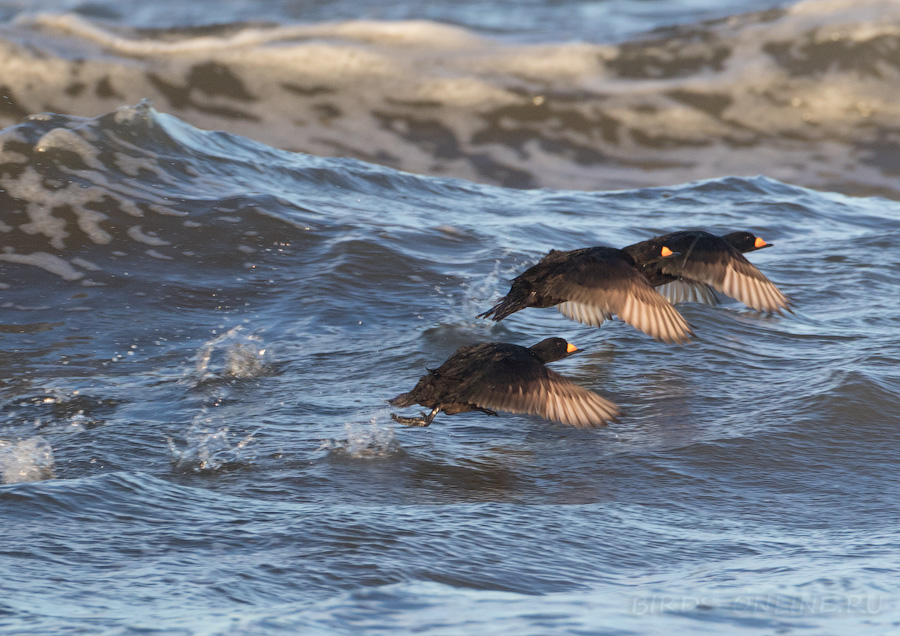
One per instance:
(591, 285)
(506, 377)
(694, 263)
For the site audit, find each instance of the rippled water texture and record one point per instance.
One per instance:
(806, 92)
(199, 332)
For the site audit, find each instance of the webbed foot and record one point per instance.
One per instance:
(425, 420)
(411, 421)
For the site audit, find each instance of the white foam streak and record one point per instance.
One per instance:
(25, 460)
(136, 233)
(398, 34)
(65, 139)
(47, 262)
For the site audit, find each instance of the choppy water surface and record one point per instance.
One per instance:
(805, 92)
(199, 332)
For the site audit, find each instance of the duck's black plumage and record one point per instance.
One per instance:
(591, 285)
(506, 377)
(704, 261)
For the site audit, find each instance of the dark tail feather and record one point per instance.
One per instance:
(492, 310)
(502, 309)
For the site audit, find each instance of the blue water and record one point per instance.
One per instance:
(198, 332)
(530, 21)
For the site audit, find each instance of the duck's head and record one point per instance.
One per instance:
(745, 241)
(553, 349)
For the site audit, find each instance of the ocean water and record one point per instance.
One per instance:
(806, 93)
(204, 304)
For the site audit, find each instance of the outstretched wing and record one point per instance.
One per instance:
(601, 287)
(725, 269)
(549, 395)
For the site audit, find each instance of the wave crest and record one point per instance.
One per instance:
(799, 93)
